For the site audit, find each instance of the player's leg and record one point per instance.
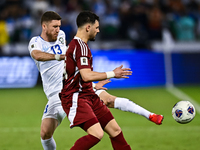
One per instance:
(95, 134)
(108, 99)
(125, 104)
(52, 117)
(111, 127)
(48, 127)
(94, 127)
(116, 136)
(80, 113)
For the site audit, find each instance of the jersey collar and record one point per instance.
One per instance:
(77, 38)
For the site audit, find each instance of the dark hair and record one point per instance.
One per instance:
(86, 17)
(49, 16)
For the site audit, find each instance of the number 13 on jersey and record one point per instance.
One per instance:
(56, 49)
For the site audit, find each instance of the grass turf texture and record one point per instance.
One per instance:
(21, 111)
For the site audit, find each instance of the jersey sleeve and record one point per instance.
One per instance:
(34, 45)
(83, 56)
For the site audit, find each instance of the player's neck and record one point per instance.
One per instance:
(44, 37)
(82, 36)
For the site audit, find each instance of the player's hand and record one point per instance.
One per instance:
(100, 84)
(122, 72)
(62, 57)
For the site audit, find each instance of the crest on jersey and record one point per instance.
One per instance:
(61, 40)
(84, 61)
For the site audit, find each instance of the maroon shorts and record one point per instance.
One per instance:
(80, 108)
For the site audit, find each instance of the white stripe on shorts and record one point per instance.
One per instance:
(72, 112)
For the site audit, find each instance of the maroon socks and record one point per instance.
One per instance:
(85, 142)
(88, 141)
(119, 143)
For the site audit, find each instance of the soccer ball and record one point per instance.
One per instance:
(183, 112)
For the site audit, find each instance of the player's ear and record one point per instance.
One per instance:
(44, 26)
(88, 27)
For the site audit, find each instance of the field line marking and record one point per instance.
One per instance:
(19, 129)
(183, 96)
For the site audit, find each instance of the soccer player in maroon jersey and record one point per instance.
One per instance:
(82, 106)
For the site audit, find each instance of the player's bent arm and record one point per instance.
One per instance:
(43, 56)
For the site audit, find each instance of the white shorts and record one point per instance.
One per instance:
(54, 110)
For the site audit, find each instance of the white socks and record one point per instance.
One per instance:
(49, 144)
(125, 104)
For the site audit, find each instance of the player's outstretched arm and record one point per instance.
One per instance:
(88, 75)
(43, 56)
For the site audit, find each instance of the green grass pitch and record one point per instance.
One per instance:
(21, 111)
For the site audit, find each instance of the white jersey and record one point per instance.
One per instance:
(51, 71)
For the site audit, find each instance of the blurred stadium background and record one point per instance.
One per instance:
(158, 39)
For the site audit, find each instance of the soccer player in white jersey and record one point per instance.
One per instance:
(47, 50)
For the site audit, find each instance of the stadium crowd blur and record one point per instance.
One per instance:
(138, 21)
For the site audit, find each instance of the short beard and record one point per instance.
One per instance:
(92, 39)
(50, 37)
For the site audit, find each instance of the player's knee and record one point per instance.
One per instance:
(113, 129)
(117, 130)
(45, 134)
(98, 135)
(110, 102)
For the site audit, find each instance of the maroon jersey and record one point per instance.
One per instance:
(78, 56)
(79, 100)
